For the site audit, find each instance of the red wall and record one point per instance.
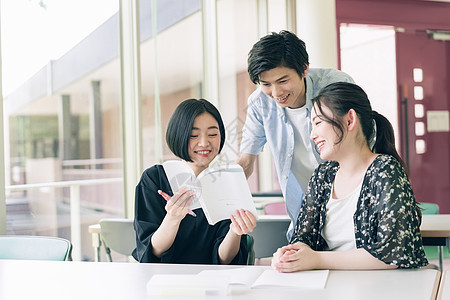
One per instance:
(430, 171)
(417, 14)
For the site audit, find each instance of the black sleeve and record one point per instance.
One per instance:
(149, 211)
(196, 241)
(241, 256)
(398, 240)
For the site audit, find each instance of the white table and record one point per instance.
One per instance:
(435, 226)
(435, 230)
(103, 280)
(444, 287)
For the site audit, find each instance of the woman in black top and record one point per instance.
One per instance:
(359, 211)
(166, 230)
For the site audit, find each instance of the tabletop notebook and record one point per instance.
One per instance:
(224, 282)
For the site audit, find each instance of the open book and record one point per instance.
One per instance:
(224, 282)
(268, 277)
(219, 191)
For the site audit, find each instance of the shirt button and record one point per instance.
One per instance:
(289, 155)
(285, 177)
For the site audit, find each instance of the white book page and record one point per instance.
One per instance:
(219, 191)
(187, 285)
(315, 279)
(244, 276)
(224, 191)
(259, 277)
(180, 174)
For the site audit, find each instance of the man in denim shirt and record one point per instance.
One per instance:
(279, 112)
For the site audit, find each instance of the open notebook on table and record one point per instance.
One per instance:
(261, 278)
(223, 281)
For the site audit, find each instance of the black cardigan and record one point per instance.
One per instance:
(196, 242)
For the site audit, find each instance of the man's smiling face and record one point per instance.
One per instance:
(285, 86)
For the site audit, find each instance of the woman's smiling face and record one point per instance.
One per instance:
(204, 143)
(323, 133)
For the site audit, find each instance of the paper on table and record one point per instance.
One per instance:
(187, 285)
(260, 277)
(245, 276)
(315, 279)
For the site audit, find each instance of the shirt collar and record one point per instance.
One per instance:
(309, 93)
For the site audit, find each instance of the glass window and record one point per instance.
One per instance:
(419, 110)
(418, 92)
(175, 67)
(374, 48)
(237, 31)
(277, 15)
(420, 128)
(61, 85)
(418, 75)
(421, 146)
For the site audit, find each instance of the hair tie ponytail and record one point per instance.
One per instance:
(385, 138)
(373, 138)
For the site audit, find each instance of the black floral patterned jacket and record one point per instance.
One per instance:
(386, 222)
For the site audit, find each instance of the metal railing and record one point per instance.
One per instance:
(91, 162)
(75, 206)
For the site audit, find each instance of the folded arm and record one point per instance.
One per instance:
(299, 257)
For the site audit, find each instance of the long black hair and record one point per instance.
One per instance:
(340, 97)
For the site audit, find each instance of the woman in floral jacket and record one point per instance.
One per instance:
(359, 211)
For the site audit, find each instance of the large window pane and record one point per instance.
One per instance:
(237, 31)
(374, 48)
(176, 66)
(277, 15)
(61, 84)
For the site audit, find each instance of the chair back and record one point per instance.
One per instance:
(24, 247)
(118, 235)
(251, 251)
(429, 208)
(276, 208)
(269, 235)
(432, 252)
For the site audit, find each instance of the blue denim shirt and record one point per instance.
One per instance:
(268, 122)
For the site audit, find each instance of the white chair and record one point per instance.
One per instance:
(117, 235)
(26, 247)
